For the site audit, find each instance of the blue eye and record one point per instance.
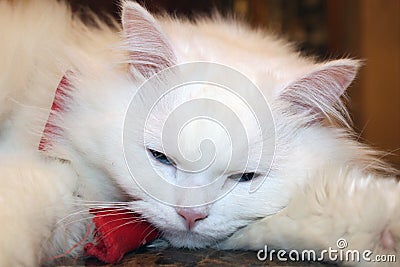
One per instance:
(247, 176)
(160, 157)
(244, 177)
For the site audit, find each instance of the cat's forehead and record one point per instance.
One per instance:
(263, 59)
(202, 115)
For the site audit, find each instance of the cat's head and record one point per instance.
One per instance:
(189, 158)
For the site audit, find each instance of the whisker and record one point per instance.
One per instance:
(27, 106)
(71, 215)
(102, 202)
(68, 251)
(75, 213)
(362, 130)
(91, 216)
(383, 155)
(152, 231)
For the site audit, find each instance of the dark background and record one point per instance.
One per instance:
(367, 29)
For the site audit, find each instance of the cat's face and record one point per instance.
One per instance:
(202, 151)
(201, 164)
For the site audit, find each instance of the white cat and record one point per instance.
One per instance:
(317, 185)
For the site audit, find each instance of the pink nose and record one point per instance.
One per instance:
(192, 216)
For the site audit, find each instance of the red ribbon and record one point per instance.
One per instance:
(118, 232)
(51, 129)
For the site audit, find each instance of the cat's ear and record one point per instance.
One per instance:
(318, 92)
(148, 47)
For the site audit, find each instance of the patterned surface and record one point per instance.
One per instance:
(207, 257)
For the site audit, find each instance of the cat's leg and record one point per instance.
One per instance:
(363, 214)
(34, 196)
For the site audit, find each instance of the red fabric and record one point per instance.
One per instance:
(118, 232)
(57, 106)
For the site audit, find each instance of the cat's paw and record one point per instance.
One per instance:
(33, 194)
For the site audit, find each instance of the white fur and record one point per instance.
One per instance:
(323, 185)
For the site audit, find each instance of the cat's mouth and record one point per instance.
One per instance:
(188, 239)
(195, 238)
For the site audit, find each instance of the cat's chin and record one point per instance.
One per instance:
(187, 239)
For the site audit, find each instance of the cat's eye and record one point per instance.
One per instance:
(160, 157)
(244, 177)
